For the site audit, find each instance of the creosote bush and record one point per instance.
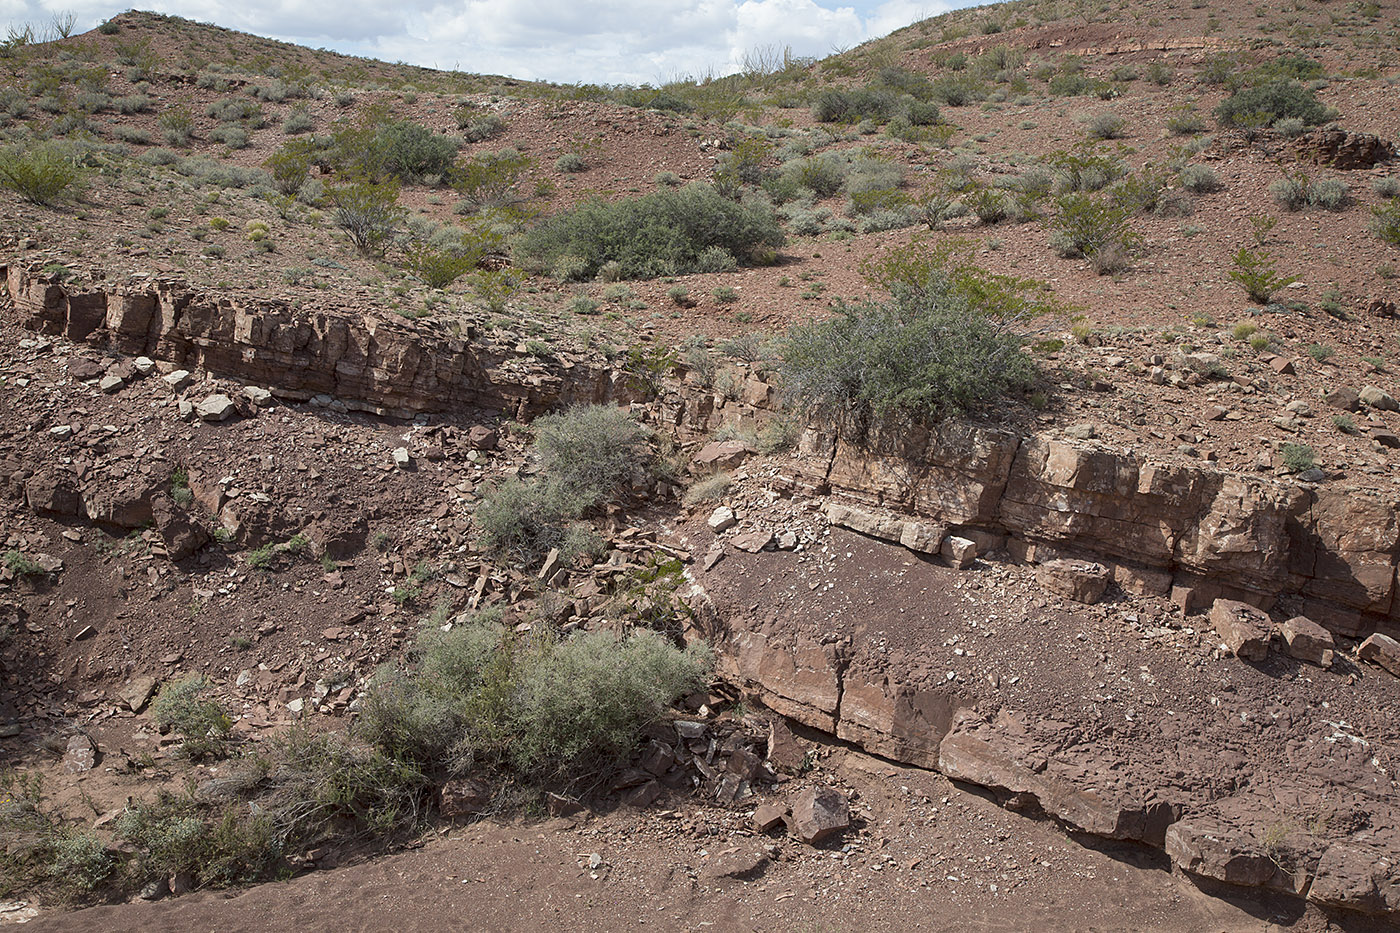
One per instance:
(668, 232)
(1256, 273)
(540, 707)
(1266, 104)
(43, 173)
(586, 456)
(946, 342)
(201, 722)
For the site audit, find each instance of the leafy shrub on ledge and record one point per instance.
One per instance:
(668, 232)
(945, 343)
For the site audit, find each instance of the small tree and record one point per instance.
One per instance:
(291, 164)
(367, 211)
(488, 179)
(1255, 272)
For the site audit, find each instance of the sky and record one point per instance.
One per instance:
(619, 42)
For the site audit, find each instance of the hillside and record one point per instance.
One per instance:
(279, 325)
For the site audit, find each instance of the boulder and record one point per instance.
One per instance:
(463, 797)
(1381, 650)
(960, 552)
(1357, 878)
(181, 535)
(138, 693)
(216, 408)
(179, 380)
(752, 541)
(52, 493)
(818, 814)
(1245, 630)
(1378, 399)
(1345, 398)
(480, 437)
(81, 755)
(259, 396)
(722, 519)
(768, 817)
(923, 537)
(1082, 581)
(1308, 641)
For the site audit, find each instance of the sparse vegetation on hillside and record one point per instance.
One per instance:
(668, 232)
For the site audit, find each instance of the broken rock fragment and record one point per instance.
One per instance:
(818, 814)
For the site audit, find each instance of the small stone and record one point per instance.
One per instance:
(462, 797)
(143, 365)
(960, 552)
(1282, 365)
(787, 541)
(752, 541)
(1083, 431)
(81, 755)
(1345, 398)
(768, 817)
(402, 459)
(215, 408)
(1387, 440)
(61, 431)
(138, 693)
(259, 396)
(179, 380)
(1082, 581)
(1245, 630)
(111, 384)
(722, 519)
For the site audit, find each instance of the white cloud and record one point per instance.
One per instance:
(626, 41)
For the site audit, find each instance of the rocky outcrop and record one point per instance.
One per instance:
(1343, 150)
(1152, 526)
(368, 361)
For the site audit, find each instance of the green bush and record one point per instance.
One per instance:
(378, 147)
(663, 233)
(945, 343)
(176, 126)
(1256, 273)
(1289, 193)
(1385, 222)
(1105, 126)
(488, 180)
(540, 707)
(42, 174)
(297, 122)
(586, 456)
(1266, 104)
(1298, 458)
(1200, 179)
(202, 723)
(1088, 225)
(571, 162)
(367, 211)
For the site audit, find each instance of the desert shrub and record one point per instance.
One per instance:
(1086, 225)
(944, 343)
(291, 164)
(1290, 127)
(376, 146)
(42, 174)
(488, 180)
(1386, 187)
(1185, 122)
(1265, 104)
(201, 722)
(1385, 222)
(1289, 193)
(1256, 273)
(479, 124)
(711, 489)
(540, 706)
(230, 134)
(586, 455)
(297, 122)
(1084, 170)
(958, 90)
(1298, 458)
(367, 211)
(1200, 179)
(679, 295)
(882, 219)
(870, 174)
(1105, 126)
(822, 175)
(570, 162)
(131, 134)
(236, 110)
(663, 233)
(854, 105)
(159, 156)
(207, 171)
(1330, 194)
(666, 179)
(176, 126)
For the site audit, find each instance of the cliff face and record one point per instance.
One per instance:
(1185, 529)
